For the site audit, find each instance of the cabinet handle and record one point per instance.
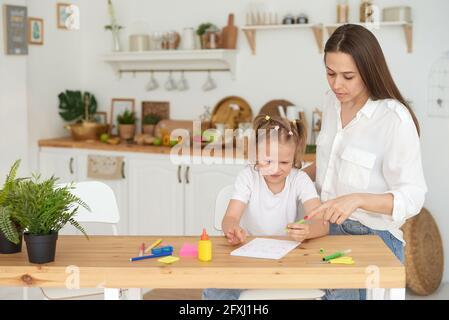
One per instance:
(187, 175)
(71, 165)
(123, 170)
(179, 174)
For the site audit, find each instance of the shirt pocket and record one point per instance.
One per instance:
(356, 167)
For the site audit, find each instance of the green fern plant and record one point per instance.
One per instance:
(43, 207)
(8, 223)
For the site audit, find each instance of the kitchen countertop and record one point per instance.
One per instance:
(68, 142)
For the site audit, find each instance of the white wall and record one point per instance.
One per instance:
(287, 65)
(13, 106)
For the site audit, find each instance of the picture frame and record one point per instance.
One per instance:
(101, 117)
(118, 106)
(35, 31)
(62, 15)
(15, 26)
(317, 120)
(160, 108)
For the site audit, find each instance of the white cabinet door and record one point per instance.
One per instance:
(155, 197)
(203, 184)
(59, 163)
(120, 189)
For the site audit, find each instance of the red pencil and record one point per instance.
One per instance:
(142, 250)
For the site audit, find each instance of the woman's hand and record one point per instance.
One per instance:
(235, 235)
(338, 209)
(299, 232)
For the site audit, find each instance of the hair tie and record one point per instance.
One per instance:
(290, 133)
(267, 118)
(276, 128)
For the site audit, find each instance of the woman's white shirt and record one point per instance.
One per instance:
(377, 152)
(268, 214)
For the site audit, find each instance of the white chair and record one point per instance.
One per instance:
(221, 205)
(103, 209)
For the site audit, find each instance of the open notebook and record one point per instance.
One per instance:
(265, 249)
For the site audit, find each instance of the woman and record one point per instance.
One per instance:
(368, 168)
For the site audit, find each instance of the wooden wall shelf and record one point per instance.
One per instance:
(250, 32)
(318, 31)
(173, 60)
(407, 26)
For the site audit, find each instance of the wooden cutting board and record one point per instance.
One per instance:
(271, 107)
(225, 113)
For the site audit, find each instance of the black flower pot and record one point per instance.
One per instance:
(41, 248)
(7, 247)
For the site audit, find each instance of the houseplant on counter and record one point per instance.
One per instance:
(10, 231)
(42, 209)
(127, 125)
(79, 107)
(149, 123)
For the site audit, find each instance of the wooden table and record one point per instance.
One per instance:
(103, 262)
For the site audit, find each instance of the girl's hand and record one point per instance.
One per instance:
(337, 210)
(298, 232)
(236, 235)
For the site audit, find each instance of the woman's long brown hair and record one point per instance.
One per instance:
(364, 48)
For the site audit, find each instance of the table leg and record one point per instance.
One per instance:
(134, 294)
(385, 294)
(112, 294)
(123, 294)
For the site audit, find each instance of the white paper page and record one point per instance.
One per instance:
(265, 249)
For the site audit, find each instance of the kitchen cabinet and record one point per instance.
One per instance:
(155, 196)
(61, 163)
(203, 183)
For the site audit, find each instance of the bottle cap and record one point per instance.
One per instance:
(204, 236)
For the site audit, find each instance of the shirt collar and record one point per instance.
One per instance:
(367, 110)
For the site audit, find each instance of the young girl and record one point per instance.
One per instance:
(266, 196)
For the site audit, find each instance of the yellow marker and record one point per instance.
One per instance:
(342, 260)
(169, 260)
(154, 245)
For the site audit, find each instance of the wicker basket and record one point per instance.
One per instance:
(424, 260)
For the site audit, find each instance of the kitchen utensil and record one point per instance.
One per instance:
(170, 85)
(271, 108)
(139, 42)
(152, 84)
(231, 111)
(188, 39)
(230, 34)
(210, 83)
(400, 13)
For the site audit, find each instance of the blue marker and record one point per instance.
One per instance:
(150, 257)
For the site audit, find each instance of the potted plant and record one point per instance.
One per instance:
(149, 123)
(10, 231)
(127, 125)
(79, 107)
(209, 35)
(42, 208)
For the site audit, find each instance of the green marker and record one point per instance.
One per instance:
(297, 222)
(337, 255)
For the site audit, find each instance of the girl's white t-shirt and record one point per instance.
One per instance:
(268, 214)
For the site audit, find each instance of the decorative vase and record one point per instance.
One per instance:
(7, 247)
(149, 129)
(230, 34)
(41, 248)
(116, 46)
(127, 131)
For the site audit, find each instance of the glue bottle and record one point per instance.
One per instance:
(204, 248)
